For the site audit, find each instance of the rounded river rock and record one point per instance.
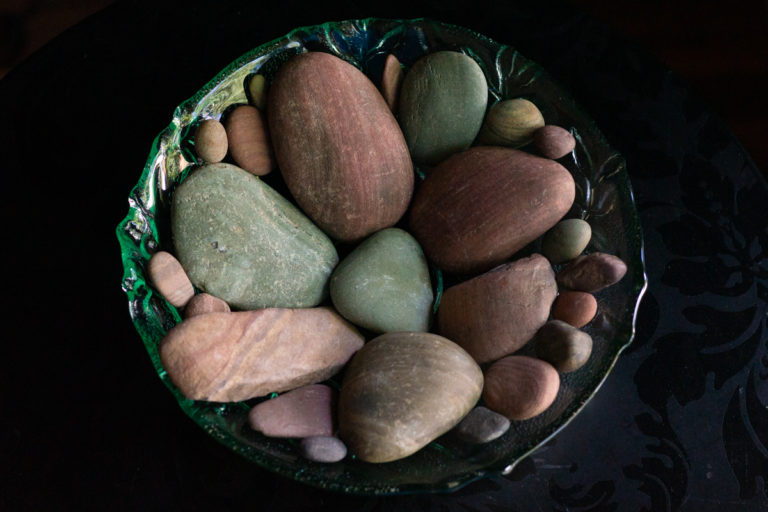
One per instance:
(520, 387)
(241, 241)
(566, 240)
(338, 146)
(442, 105)
(563, 346)
(383, 285)
(403, 390)
(496, 313)
(479, 207)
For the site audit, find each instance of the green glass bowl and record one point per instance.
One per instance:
(603, 197)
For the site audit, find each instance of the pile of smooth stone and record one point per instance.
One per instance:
(264, 267)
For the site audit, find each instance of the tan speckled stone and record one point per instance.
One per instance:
(211, 141)
(403, 390)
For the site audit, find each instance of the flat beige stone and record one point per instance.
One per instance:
(229, 357)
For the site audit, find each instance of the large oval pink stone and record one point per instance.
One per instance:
(339, 147)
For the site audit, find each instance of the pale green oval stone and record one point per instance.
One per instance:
(442, 105)
(383, 285)
(241, 241)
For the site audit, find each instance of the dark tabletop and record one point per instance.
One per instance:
(680, 424)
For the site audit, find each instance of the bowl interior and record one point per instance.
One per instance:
(603, 197)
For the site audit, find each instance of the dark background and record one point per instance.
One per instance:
(681, 423)
(720, 49)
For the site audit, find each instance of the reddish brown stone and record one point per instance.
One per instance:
(479, 207)
(496, 313)
(520, 387)
(339, 147)
(592, 273)
(575, 308)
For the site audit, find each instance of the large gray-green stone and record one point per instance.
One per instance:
(243, 242)
(442, 105)
(383, 285)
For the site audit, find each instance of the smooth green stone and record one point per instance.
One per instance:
(566, 240)
(241, 241)
(383, 285)
(442, 105)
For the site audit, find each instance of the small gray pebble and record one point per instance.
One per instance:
(482, 425)
(323, 449)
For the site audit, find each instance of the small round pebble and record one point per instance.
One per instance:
(566, 240)
(211, 141)
(482, 425)
(563, 346)
(553, 141)
(510, 123)
(249, 142)
(520, 387)
(257, 88)
(323, 449)
(205, 303)
(575, 308)
(168, 276)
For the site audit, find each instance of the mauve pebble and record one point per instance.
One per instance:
(257, 88)
(575, 308)
(481, 425)
(211, 141)
(168, 276)
(323, 449)
(593, 272)
(303, 412)
(391, 80)
(205, 303)
(563, 346)
(249, 141)
(553, 141)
